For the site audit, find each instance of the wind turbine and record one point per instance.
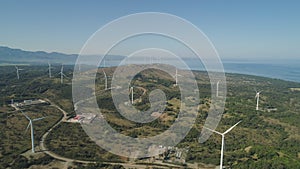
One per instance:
(62, 74)
(257, 98)
(223, 141)
(31, 128)
(105, 79)
(131, 90)
(49, 69)
(176, 77)
(79, 67)
(18, 75)
(217, 92)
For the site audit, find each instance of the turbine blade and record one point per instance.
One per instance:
(27, 128)
(104, 73)
(25, 115)
(231, 128)
(38, 119)
(212, 130)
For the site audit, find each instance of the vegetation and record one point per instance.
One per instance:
(264, 139)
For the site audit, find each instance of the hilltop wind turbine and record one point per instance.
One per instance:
(131, 90)
(62, 74)
(105, 79)
(257, 98)
(176, 77)
(223, 141)
(18, 75)
(217, 92)
(31, 128)
(49, 69)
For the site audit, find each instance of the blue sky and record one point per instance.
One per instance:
(239, 29)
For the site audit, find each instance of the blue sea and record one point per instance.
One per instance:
(284, 70)
(289, 72)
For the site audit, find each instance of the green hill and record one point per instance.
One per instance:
(268, 138)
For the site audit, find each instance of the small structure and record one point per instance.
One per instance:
(83, 118)
(271, 109)
(28, 103)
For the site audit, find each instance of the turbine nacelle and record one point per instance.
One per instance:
(223, 140)
(257, 99)
(176, 77)
(62, 75)
(18, 76)
(30, 124)
(49, 69)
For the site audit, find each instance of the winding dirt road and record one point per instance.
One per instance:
(44, 149)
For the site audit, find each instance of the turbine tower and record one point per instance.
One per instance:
(31, 129)
(18, 75)
(131, 90)
(223, 141)
(105, 79)
(62, 74)
(257, 99)
(176, 77)
(49, 69)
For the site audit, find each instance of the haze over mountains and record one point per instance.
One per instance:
(286, 70)
(19, 56)
(9, 55)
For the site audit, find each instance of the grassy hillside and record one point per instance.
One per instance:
(264, 139)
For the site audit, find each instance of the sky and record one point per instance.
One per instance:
(253, 29)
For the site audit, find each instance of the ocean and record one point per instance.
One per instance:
(289, 71)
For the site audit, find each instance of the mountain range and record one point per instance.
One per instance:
(18, 56)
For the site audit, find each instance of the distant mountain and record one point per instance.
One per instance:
(18, 56)
(9, 55)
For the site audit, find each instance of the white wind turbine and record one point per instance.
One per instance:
(62, 74)
(223, 141)
(217, 92)
(257, 98)
(18, 75)
(105, 79)
(49, 69)
(131, 90)
(176, 77)
(31, 128)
